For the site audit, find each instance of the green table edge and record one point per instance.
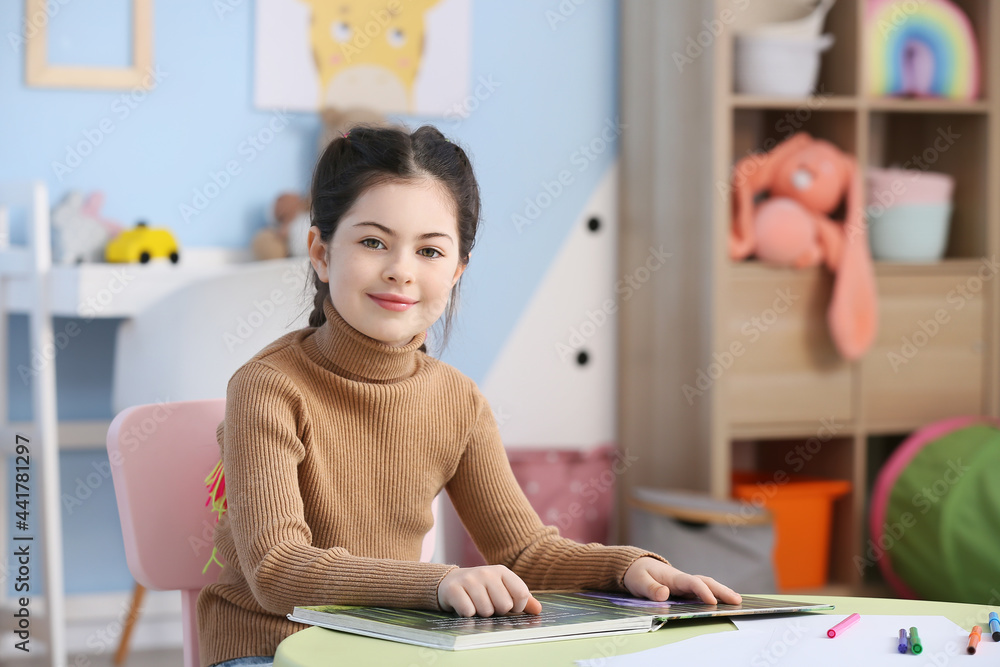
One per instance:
(313, 647)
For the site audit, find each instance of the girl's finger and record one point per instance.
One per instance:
(721, 592)
(700, 588)
(480, 598)
(460, 602)
(651, 588)
(500, 598)
(519, 593)
(724, 593)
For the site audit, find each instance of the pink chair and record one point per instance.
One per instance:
(160, 455)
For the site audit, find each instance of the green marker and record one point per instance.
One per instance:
(915, 644)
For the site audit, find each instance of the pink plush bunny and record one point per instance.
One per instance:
(807, 179)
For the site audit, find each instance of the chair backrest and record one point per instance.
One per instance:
(214, 325)
(160, 455)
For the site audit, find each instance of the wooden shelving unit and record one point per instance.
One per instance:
(791, 388)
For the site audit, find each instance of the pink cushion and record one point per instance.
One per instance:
(570, 489)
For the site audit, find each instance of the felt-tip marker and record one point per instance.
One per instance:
(915, 644)
(904, 642)
(843, 625)
(995, 626)
(974, 637)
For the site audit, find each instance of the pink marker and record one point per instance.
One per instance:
(843, 625)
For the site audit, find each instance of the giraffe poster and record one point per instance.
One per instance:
(390, 56)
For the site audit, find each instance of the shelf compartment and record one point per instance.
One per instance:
(761, 129)
(950, 143)
(826, 454)
(784, 366)
(978, 12)
(838, 64)
(930, 336)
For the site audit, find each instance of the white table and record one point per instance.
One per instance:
(30, 284)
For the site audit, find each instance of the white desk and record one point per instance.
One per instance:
(30, 284)
(76, 291)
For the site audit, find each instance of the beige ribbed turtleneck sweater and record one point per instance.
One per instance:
(334, 445)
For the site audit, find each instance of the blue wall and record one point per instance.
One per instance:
(554, 88)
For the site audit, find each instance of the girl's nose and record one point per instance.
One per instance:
(398, 270)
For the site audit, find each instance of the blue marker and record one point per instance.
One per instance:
(904, 641)
(995, 626)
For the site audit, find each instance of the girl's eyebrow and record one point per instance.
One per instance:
(428, 235)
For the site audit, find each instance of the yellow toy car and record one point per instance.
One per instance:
(142, 244)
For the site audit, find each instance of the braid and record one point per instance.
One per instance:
(318, 316)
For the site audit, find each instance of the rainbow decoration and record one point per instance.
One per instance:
(921, 48)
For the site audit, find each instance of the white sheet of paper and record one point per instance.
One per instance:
(717, 648)
(800, 639)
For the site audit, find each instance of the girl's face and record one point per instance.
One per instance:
(392, 260)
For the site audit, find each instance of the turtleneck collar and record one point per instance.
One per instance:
(344, 350)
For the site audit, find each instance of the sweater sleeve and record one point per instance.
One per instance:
(507, 530)
(262, 448)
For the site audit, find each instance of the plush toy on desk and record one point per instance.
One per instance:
(289, 231)
(80, 233)
(807, 180)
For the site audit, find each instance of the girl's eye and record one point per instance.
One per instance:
(437, 252)
(367, 243)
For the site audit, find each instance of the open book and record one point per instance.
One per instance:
(564, 616)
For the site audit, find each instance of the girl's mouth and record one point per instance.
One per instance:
(391, 305)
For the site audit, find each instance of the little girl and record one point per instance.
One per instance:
(337, 437)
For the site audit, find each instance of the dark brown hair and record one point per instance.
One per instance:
(368, 156)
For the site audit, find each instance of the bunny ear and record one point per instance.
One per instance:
(854, 221)
(94, 202)
(853, 312)
(751, 176)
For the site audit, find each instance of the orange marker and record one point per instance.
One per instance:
(974, 637)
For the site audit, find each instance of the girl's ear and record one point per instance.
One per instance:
(318, 253)
(459, 270)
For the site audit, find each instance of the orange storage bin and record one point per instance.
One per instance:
(802, 508)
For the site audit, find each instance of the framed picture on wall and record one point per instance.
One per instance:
(395, 56)
(40, 15)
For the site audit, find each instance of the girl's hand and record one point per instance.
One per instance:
(484, 591)
(655, 580)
